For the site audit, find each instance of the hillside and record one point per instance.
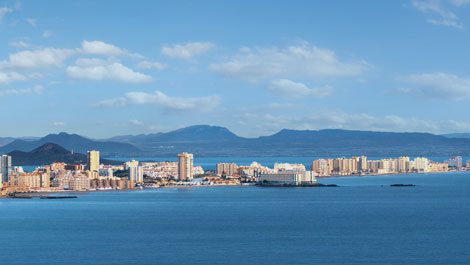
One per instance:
(49, 153)
(73, 142)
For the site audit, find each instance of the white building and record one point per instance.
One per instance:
(288, 177)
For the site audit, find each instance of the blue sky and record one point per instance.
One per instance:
(106, 68)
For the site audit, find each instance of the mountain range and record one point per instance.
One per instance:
(215, 141)
(50, 153)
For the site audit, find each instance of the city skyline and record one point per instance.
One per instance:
(255, 68)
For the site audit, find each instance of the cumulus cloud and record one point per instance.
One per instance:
(292, 90)
(356, 121)
(37, 58)
(188, 50)
(96, 69)
(35, 90)
(171, 104)
(101, 48)
(439, 14)
(295, 61)
(7, 77)
(436, 85)
(3, 12)
(105, 49)
(151, 65)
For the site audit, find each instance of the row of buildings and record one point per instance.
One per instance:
(361, 165)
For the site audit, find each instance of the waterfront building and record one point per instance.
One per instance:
(420, 164)
(136, 174)
(403, 164)
(129, 164)
(454, 161)
(467, 164)
(288, 178)
(288, 167)
(185, 166)
(5, 167)
(226, 169)
(35, 180)
(321, 167)
(93, 161)
(362, 165)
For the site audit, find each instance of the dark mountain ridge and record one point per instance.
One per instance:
(50, 153)
(74, 142)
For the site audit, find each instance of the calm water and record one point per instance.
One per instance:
(361, 222)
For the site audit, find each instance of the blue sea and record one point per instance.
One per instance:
(365, 221)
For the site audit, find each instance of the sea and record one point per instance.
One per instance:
(364, 221)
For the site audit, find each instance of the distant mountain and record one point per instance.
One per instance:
(457, 135)
(74, 142)
(216, 141)
(204, 140)
(50, 153)
(6, 140)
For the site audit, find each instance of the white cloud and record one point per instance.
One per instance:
(35, 90)
(3, 12)
(102, 48)
(95, 69)
(295, 61)
(355, 121)
(47, 34)
(37, 58)
(32, 21)
(19, 44)
(171, 104)
(293, 90)
(440, 14)
(188, 50)
(436, 85)
(136, 122)
(58, 123)
(7, 77)
(151, 65)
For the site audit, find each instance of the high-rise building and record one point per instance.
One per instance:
(5, 167)
(93, 160)
(136, 174)
(226, 169)
(403, 164)
(185, 166)
(454, 161)
(362, 165)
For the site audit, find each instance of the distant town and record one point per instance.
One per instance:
(95, 176)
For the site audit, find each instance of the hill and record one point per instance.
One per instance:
(73, 142)
(204, 140)
(50, 153)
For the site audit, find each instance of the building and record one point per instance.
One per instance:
(35, 180)
(403, 164)
(288, 167)
(226, 169)
(185, 166)
(454, 161)
(136, 174)
(288, 178)
(93, 160)
(321, 167)
(5, 167)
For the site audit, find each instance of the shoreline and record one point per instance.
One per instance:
(38, 194)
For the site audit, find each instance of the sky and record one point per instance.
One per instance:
(107, 68)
